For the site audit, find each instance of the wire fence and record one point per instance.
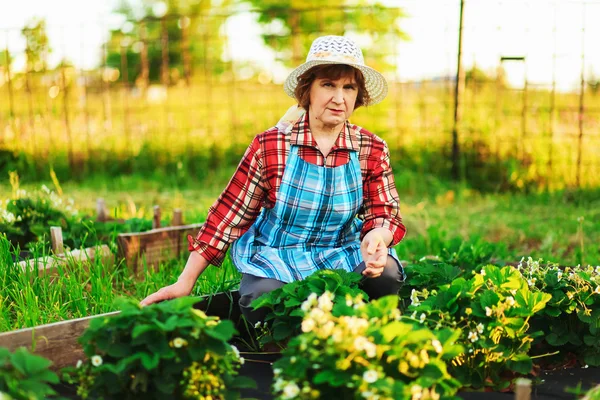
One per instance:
(527, 75)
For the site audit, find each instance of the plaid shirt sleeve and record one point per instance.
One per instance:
(381, 201)
(234, 211)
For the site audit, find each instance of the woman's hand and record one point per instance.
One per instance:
(196, 264)
(178, 289)
(374, 251)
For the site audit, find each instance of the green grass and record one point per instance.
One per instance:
(441, 217)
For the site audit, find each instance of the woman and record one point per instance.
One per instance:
(311, 193)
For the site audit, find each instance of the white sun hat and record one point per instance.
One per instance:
(339, 50)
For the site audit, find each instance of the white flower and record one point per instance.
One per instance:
(531, 282)
(473, 336)
(510, 301)
(437, 346)
(96, 361)
(242, 360)
(277, 371)
(597, 290)
(414, 299)
(79, 364)
(597, 270)
(278, 385)
(416, 392)
(559, 275)
(368, 395)
(482, 272)
(422, 317)
(235, 351)
(290, 390)
(257, 325)
(325, 302)
(179, 343)
(413, 315)
(488, 311)
(292, 359)
(480, 328)
(308, 325)
(370, 376)
(309, 302)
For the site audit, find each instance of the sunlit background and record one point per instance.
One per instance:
(128, 77)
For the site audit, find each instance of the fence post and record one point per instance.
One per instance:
(523, 389)
(458, 89)
(156, 218)
(177, 217)
(101, 214)
(57, 240)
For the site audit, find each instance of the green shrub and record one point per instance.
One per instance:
(353, 350)
(25, 376)
(163, 351)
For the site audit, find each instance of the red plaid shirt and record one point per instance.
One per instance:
(256, 182)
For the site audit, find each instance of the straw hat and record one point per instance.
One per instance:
(339, 50)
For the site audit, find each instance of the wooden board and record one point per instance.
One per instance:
(58, 341)
(44, 264)
(153, 247)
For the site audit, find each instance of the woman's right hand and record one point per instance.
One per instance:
(178, 289)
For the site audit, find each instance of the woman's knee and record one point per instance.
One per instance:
(251, 288)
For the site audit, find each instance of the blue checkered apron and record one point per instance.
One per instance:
(312, 226)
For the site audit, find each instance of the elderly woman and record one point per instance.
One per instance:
(314, 192)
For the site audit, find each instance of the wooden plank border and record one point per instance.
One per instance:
(58, 341)
(153, 247)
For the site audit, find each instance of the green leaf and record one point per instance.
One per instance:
(243, 382)
(395, 330)
(150, 361)
(27, 363)
(520, 363)
(140, 329)
(224, 330)
(488, 299)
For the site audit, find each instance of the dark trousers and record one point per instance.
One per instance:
(252, 287)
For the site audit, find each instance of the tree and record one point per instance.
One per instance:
(142, 35)
(292, 25)
(37, 46)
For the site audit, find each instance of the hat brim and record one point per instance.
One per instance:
(375, 83)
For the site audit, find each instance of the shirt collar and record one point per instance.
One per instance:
(302, 136)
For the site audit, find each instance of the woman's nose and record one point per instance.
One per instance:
(338, 97)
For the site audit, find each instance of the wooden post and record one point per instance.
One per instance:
(101, 213)
(156, 218)
(523, 389)
(57, 240)
(177, 217)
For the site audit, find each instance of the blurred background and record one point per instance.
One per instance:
(502, 95)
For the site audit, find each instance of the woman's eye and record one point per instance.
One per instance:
(350, 87)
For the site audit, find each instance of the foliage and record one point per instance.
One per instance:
(284, 304)
(25, 376)
(353, 350)
(493, 309)
(571, 319)
(593, 394)
(27, 216)
(163, 351)
(195, 16)
(283, 22)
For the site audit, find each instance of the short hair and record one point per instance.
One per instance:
(333, 72)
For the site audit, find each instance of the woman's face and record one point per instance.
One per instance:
(332, 101)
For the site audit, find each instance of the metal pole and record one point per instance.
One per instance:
(581, 100)
(458, 89)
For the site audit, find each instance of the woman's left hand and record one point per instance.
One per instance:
(374, 251)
